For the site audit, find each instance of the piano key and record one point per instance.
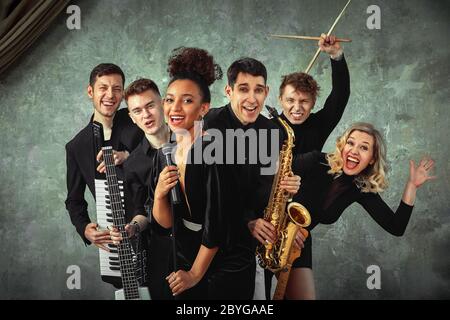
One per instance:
(107, 198)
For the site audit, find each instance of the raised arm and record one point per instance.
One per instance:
(417, 177)
(395, 223)
(330, 115)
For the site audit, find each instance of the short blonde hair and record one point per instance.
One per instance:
(373, 178)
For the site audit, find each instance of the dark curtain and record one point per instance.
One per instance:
(21, 23)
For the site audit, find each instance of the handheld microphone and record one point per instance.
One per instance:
(174, 192)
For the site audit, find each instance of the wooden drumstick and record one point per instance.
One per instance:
(329, 32)
(282, 36)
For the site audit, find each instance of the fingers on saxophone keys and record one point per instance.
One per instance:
(268, 227)
(269, 238)
(262, 238)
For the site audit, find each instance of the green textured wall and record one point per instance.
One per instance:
(399, 80)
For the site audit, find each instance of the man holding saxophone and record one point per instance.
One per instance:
(246, 91)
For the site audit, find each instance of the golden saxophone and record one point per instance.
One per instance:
(287, 217)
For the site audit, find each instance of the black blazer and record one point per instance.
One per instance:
(81, 164)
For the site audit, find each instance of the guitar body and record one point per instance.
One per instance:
(144, 294)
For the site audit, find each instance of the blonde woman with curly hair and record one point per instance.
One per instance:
(354, 172)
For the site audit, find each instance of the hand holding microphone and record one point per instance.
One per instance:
(168, 178)
(167, 181)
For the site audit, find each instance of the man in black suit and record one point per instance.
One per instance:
(251, 178)
(105, 89)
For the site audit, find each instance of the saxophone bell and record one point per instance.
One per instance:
(298, 214)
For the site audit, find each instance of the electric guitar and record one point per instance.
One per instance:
(124, 261)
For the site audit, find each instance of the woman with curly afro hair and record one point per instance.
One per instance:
(199, 220)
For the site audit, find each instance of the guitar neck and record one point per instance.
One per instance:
(124, 249)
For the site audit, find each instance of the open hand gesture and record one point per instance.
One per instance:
(420, 174)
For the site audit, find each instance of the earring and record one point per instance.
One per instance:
(201, 124)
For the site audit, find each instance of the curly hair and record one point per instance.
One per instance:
(194, 64)
(301, 82)
(373, 178)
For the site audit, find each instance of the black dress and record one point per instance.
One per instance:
(199, 219)
(326, 198)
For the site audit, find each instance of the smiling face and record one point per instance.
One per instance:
(106, 94)
(297, 105)
(183, 105)
(145, 110)
(247, 97)
(358, 152)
